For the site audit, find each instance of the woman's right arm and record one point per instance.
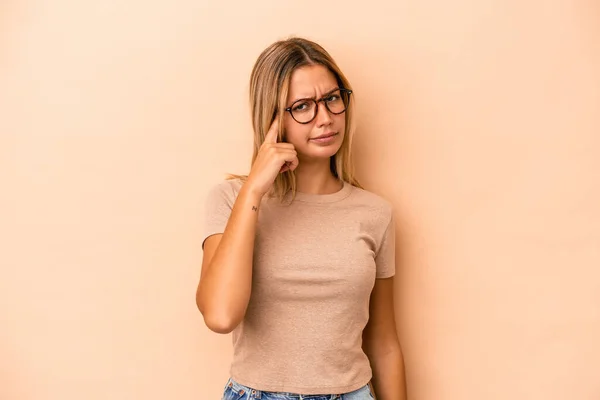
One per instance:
(226, 279)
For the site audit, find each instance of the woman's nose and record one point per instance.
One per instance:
(323, 115)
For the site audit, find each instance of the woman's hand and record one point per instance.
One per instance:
(273, 158)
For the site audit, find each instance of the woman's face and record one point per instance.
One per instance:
(322, 137)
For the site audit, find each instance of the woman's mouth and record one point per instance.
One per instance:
(325, 138)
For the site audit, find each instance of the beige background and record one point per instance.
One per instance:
(478, 119)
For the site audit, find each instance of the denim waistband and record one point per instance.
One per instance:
(241, 390)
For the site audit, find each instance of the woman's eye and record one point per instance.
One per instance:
(333, 97)
(301, 107)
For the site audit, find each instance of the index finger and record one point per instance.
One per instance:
(273, 133)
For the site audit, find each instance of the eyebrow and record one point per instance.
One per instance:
(314, 98)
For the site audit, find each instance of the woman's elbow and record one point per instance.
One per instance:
(218, 317)
(219, 323)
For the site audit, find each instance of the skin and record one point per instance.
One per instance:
(226, 279)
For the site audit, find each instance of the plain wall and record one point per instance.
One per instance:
(479, 120)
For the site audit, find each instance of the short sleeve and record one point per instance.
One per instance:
(218, 205)
(385, 260)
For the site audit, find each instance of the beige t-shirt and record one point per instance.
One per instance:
(315, 264)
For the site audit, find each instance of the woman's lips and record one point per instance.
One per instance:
(324, 139)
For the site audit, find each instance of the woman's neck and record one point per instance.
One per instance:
(316, 178)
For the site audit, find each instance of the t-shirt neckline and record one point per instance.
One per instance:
(325, 198)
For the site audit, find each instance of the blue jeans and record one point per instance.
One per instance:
(235, 391)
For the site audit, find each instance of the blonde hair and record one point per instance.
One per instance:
(269, 86)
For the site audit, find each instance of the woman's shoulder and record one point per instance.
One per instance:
(371, 202)
(229, 183)
(227, 188)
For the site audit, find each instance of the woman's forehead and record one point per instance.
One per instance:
(311, 81)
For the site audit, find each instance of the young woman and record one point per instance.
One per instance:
(298, 258)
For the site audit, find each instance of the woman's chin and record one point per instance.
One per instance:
(320, 155)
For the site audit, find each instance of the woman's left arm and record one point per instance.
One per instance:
(381, 345)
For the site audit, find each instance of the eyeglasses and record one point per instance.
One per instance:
(305, 110)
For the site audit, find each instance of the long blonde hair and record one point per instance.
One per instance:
(269, 86)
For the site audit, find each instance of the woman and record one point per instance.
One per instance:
(298, 258)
